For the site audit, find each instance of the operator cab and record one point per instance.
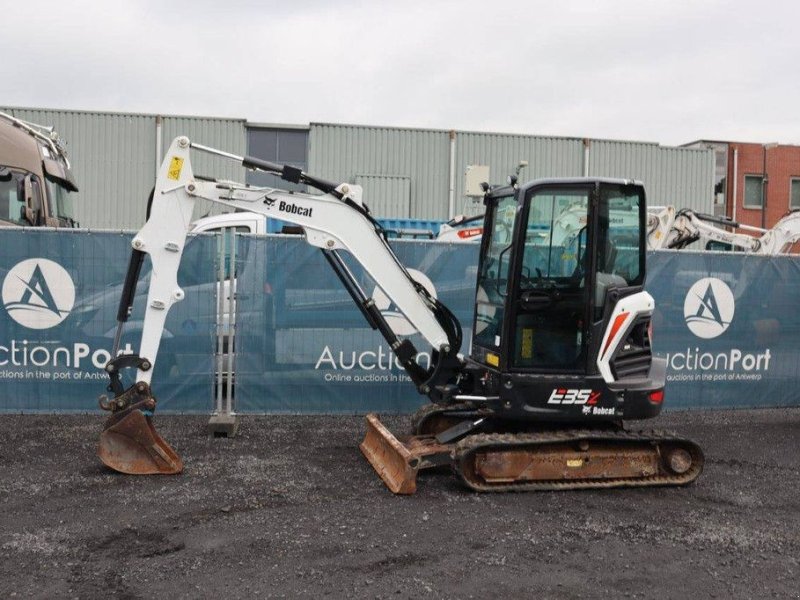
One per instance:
(556, 257)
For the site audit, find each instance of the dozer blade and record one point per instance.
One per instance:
(396, 462)
(130, 444)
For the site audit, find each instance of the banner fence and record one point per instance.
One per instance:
(727, 324)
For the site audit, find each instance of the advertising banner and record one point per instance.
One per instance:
(60, 293)
(305, 347)
(728, 326)
(726, 323)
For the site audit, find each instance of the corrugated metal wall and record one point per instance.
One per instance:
(679, 176)
(682, 177)
(113, 156)
(546, 156)
(344, 152)
(386, 195)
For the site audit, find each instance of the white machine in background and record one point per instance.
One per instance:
(668, 228)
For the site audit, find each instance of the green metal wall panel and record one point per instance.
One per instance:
(343, 152)
(546, 156)
(682, 177)
(114, 158)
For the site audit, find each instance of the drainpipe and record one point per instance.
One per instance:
(159, 122)
(765, 185)
(451, 208)
(586, 143)
(735, 180)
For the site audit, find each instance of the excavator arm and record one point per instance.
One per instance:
(676, 230)
(334, 221)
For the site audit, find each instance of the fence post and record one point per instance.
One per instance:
(224, 422)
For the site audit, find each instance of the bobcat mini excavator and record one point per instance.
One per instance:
(560, 353)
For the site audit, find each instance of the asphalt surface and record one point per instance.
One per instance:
(289, 508)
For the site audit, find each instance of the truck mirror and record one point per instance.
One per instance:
(30, 211)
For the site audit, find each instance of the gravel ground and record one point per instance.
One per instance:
(290, 509)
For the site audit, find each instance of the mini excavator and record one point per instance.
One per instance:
(560, 353)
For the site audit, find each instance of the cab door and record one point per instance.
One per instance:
(549, 307)
(493, 274)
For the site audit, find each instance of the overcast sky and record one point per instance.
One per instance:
(672, 71)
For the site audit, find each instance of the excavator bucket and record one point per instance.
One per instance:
(130, 444)
(396, 462)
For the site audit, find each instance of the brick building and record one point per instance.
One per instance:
(750, 177)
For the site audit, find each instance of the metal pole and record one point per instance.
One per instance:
(223, 422)
(231, 325)
(159, 121)
(586, 143)
(220, 358)
(764, 187)
(735, 180)
(451, 204)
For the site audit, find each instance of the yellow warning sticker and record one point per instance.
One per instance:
(526, 350)
(175, 167)
(492, 359)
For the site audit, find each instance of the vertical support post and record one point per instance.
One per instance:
(765, 184)
(223, 421)
(232, 302)
(735, 180)
(451, 194)
(586, 144)
(764, 187)
(159, 123)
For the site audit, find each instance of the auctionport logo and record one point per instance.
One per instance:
(708, 308)
(38, 293)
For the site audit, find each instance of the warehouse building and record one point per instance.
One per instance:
(406, 173)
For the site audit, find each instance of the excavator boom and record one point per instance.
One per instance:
(334, 221)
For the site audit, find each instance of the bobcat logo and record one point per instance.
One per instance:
(38, 293)
(708, 308)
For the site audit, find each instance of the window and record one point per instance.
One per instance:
(620, 236)
(753, 191)
(59, 200)
(11, 197)
(555, 239)
(282, 146)
(493, 275)
(794, 193)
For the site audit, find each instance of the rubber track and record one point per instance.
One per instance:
(503, 442)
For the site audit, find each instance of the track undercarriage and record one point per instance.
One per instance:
(488, 456)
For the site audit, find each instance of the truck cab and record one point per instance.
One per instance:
(36, 181)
